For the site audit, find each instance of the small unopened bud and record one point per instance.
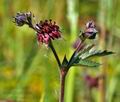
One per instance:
(23, 18)
(20, 19)
(90, 31)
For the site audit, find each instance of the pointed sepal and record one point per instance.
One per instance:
(64, 62)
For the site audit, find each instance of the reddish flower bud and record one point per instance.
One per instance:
(90, 31)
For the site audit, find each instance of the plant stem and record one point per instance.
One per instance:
(55, 53)
(63, 73)
(62, 81)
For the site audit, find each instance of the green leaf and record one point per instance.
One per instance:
(86, 63)
(98, 53)
(65, 62)
(75, 56)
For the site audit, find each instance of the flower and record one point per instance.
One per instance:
(90, 31)
(23, 18)
(47, 31)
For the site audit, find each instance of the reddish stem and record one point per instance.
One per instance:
(62, 81)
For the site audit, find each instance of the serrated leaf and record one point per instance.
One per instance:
(98, 53)
(86, 63)
(65, 62)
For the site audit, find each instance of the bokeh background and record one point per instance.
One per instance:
(29, 73)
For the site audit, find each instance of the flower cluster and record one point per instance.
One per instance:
(90, 31)
(47, 30)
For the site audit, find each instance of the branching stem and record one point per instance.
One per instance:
(62, 81)
(55, 53)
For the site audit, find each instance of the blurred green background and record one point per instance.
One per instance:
(29, 73)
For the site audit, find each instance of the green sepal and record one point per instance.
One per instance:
(64, 62)
(72, 59)
(81, 36)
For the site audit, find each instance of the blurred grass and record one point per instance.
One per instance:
(72, 15)
(29, 73)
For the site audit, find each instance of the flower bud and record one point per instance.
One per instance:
(90, 31)
(23, 18)
(20, 19)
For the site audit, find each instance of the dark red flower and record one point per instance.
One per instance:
(47, 31)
